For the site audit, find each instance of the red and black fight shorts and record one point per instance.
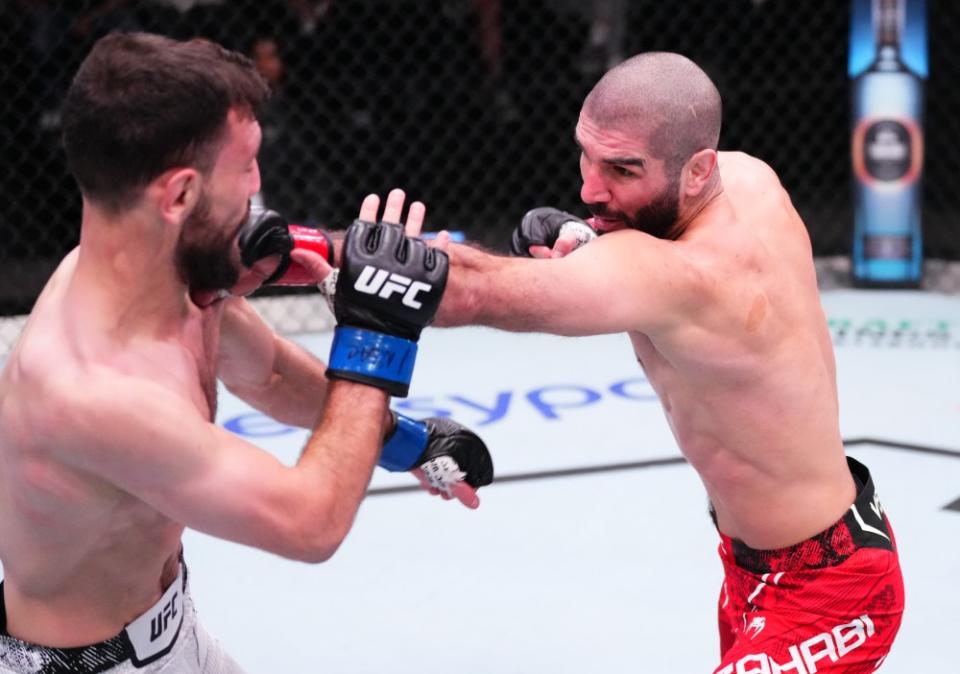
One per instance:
(829, 605)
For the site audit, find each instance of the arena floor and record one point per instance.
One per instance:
(593, 551)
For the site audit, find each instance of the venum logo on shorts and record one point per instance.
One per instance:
(804, 656)
(755, 627)
(380, 282)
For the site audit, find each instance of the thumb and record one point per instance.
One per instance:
(466, 494)
(564, 245)
(540, 252)
(441, 241)
(313, 262)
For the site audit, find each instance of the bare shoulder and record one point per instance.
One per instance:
(737, 167)
(82, 411)
(771, 232)
(756, 193)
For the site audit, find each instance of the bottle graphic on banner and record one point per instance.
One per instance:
(887, 152)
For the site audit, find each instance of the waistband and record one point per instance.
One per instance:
(147, 639)
(864, 525)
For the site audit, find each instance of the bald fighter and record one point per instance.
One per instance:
(702, 260)
(108, 448)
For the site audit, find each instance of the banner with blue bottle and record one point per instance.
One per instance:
(887, 67)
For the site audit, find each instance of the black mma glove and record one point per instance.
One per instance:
(543, 226)
(267, 233)
(446, 452)
(388, 290)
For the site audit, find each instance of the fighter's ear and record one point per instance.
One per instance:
(179, 191)
(698, 172)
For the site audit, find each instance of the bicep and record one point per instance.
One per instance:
(615, 284)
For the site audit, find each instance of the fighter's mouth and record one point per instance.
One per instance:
(602, 224)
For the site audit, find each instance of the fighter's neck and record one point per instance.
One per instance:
(126, 266)
(699, 209)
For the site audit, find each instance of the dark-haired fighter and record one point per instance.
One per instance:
(107, 443)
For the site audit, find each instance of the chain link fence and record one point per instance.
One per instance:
(469, 105)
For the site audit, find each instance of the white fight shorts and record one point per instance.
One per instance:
(166, 638)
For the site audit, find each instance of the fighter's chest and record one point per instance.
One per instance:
(184, 362)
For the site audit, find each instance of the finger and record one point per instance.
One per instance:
(424, 482)
(564, 245)
(246, 285)
(415, 217)
(253, 278)
(313, 262)
(441, 241)
(541, 252)
(466, 494)
(394, 208)
(369, 208)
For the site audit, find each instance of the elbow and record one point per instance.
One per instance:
(316, 553)
(317, 536)
(310, 547)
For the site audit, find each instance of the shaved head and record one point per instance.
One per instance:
(663, 97)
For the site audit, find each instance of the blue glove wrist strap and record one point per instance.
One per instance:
(405, 445)
(373, 355)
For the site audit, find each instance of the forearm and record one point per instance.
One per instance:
(296, 391)
(463, 299)
(492, 290)
(338, 460)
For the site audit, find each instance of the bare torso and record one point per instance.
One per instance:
(81, 557)
(749, 384)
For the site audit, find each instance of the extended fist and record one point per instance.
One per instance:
(388, 289)
(387, 281)
(267, 235)
(549, 232)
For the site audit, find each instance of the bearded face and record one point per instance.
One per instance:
(655, 218)
(205, 255)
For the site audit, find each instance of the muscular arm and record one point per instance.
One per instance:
(262, 368)
(271, 373)
(622, 281)
(159, 449)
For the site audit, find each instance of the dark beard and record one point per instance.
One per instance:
(203, 255)
(656, 218)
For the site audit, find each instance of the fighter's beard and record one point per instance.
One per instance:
(204, 256)
(205, 259)
(656, 218)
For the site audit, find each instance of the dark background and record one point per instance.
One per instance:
(417, 94)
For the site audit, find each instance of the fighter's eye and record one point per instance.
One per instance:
(623, 171)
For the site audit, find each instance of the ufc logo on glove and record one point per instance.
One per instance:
(380, 282)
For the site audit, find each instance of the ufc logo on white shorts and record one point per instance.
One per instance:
(380, 282)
